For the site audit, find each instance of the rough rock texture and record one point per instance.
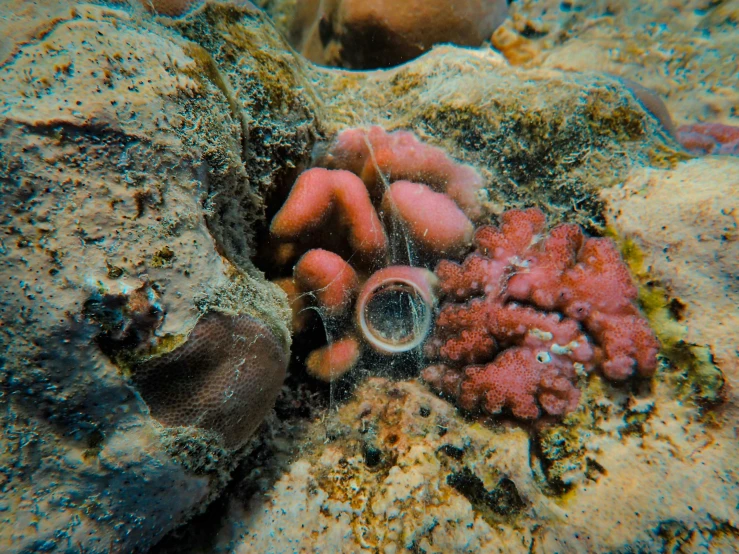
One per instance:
(686, 223)
(683, 49)
(28, 21)
(115, 148)
(172, 8)
(398, 470)
(539, 137)
(368, 34)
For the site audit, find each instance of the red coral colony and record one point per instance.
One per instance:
(513, 331)
(521, 316)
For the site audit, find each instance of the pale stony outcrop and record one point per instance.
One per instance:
(117, 150)
(685, 220)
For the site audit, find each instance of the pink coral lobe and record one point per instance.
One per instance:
(475, 275)
(320, 192)
(367, 168)
(376, 156)
(333, 360)
(570, 285)
(539, 276)
(598, 282)
(710, 138)
(516, 379)
(333, 281)
(517, 231)
(432, 219)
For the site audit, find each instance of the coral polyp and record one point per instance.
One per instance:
(394, 308)
(224, 377)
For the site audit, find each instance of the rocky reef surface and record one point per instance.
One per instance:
(141, 159)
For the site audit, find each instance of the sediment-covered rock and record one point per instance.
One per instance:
(127, 215)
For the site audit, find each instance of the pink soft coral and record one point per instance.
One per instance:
(710, 138)
(568, 285)
(366, 186)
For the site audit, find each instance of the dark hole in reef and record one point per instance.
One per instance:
(396, 393)
(452, 451)
(593, 470)
(674, 535)
(125, 321)
(372, 455)
(312, 336)
(504, 499)
(677, 308)
(532, 32)
(325, 30)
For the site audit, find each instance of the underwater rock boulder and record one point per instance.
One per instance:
(118, 147)
(405, 472)
(681, 226)
(399, 469)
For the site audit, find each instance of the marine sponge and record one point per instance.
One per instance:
(572, 285)
(225, 377)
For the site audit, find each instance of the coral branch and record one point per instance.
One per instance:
(333, 281)
(710, 138)
(394, 308)
(316, 195)
(434, 222)
(377, 156)
(571, 285)
(333, 360)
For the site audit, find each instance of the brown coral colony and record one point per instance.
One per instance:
(224, 377)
